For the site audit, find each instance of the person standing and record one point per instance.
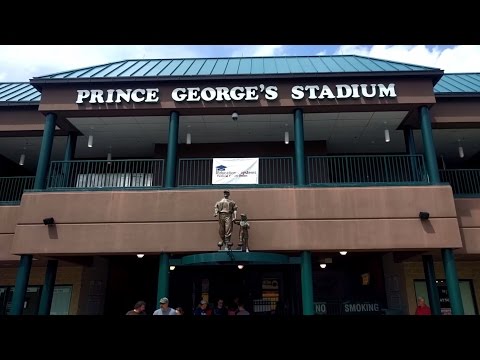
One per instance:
(201, 309)
(138, 309)
(241, 310)
(220, 309)
(422, 308)
(226, 210)
(164, 308)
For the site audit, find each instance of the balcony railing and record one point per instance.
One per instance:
(271, 171)
(462, 181)
(105, 174)
(12, 188)
(360, 170)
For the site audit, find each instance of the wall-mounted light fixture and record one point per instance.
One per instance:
(423, 215)
(49, 221)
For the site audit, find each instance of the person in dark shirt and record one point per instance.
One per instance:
(138, 309)
(201, 309)
(220, 309)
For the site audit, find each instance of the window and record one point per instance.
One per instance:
(114, 180)
(61, 300)
(60, 303)
(466, 291)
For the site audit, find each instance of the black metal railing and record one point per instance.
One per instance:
(12, 188)
(366, 169)
(462, 181)
(271, 171)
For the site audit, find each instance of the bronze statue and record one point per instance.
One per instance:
(226, 210)
(243, 232)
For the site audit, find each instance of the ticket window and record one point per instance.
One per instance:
(466, 291)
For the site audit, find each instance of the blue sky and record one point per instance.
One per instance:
(22, 62)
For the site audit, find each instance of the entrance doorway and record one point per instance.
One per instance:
(263, 289)
(131, 279)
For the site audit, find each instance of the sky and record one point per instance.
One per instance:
(22, 62)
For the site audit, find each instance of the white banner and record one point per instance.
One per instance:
(235, 171)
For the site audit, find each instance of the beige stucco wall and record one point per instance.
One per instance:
(322, 219)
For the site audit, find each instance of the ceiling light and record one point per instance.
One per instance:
(387, 136)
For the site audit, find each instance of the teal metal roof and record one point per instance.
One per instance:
(247, 66)
(458, 84)
(18, 93)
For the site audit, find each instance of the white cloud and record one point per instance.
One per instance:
(22, 62)
(259, 50)
(460, 58)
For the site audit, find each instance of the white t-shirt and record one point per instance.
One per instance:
(167, 311)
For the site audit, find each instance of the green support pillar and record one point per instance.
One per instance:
(70, 147)
(452, 282)
(69, 155)
(411, 150)
(21, 283)
(172, 151)
(163, 269)
(428, 146)
(45, 151)
(48, 287)
(307, 282)
(299, 151)
(431, 282)
(409, 141)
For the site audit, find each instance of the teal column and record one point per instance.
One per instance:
(45, 151)
(409, 141)
(428, 146)
(21, 283)
(307, 282)
(411, 150)
(452, 282)
(163, 269)
(431, 282)
(299, 151)
(70, 147)
(48, 287)
(172, 151)
(69, 155)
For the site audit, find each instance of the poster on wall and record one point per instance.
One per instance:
(445, 306)
(235, 171)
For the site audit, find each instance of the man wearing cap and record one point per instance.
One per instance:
(226, 210)
(201, 309)
(164, 308)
